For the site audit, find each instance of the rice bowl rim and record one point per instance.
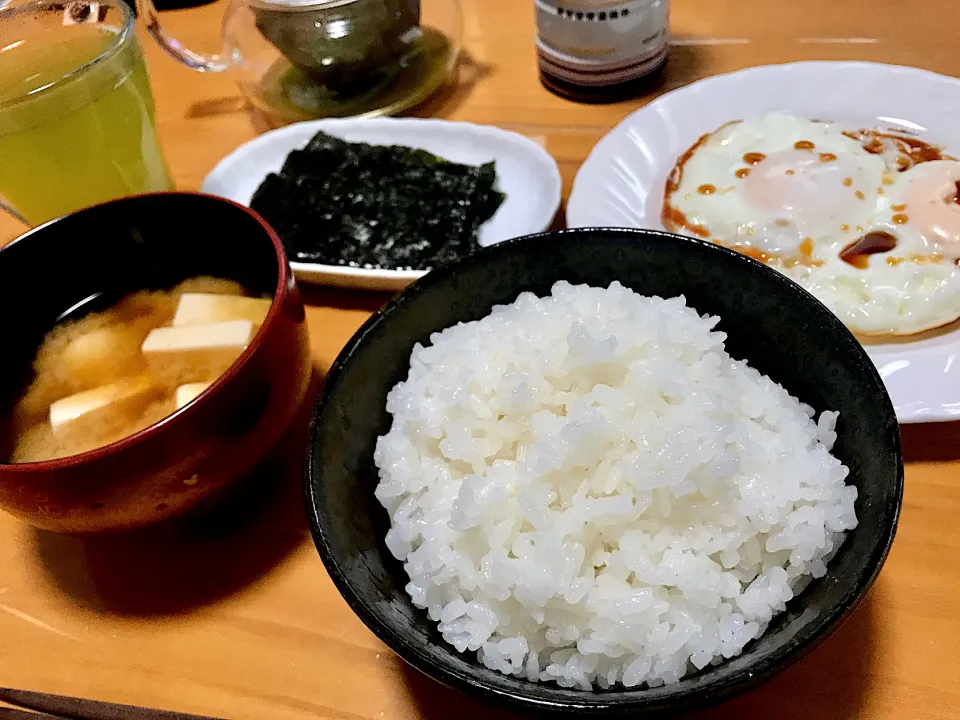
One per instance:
(694, 690)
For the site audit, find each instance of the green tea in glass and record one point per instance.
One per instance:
(77, 123)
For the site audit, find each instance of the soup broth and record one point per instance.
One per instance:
(109, 374)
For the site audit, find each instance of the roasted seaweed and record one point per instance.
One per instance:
(376, 206)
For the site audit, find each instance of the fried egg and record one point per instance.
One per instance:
(900, 276)
(871, 231)
(771, 183)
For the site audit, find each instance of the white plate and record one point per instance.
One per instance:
(525, 172)
(622, 181)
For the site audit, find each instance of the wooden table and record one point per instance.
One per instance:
(235, 617)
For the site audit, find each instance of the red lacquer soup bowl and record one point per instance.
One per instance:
(101, 254)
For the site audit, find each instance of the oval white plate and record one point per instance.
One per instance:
(525, 172)
(622, 181)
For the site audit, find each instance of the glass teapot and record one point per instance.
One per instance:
(302, 59)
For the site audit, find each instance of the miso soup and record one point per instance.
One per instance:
(109, 374)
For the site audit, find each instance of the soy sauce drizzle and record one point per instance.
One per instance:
(913, 150)
(858, 253)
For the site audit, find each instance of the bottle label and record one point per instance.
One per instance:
(601, 42)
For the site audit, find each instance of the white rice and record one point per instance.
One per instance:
(587, 489)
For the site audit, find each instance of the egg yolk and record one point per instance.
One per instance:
(932, 208)
(802, 185)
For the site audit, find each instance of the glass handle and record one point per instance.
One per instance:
(172, 46)
(9, 210)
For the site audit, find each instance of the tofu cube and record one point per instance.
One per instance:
(196, 353)
(187, 393)
(202, 308)
(102, 408)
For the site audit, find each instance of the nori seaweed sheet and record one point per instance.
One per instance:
(392, 207)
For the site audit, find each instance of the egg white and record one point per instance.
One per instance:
(902, 299)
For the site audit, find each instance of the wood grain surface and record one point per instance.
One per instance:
(233, 615)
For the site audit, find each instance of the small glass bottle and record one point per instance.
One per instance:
(600, 50)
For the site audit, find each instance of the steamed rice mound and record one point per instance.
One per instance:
(587, 489)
